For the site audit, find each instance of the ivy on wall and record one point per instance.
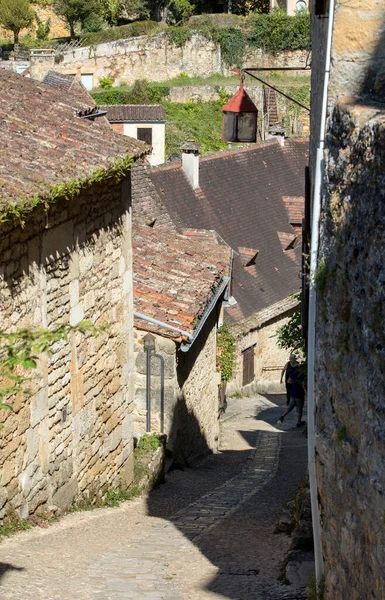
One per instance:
(226, 354)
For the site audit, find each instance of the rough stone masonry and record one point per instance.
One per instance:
(350, 355)
(72, 437)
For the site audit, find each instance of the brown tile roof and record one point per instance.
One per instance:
(240, 197)
(175, 276)
(45, 144)
(295, 206)
(68, 83)
(134, 112)
(59, 81)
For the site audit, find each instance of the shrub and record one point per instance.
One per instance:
(112, 34)
(278, 31)
(106, 82)
(112, 96)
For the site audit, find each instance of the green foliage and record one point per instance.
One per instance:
(43, 28)
(138, 93)
(114, 497)
(232, 42)
(179, 35)
(226, 354)
(181, 10)
(278, 31)
(13, 525)
(19, 352)
(106, 82)
(224, 96)
(320, 276)
(75, 11)
(111, 96)
(200, 121)
(118, 33)
(314, 591)
(15, 15)
(148, 443)
(142, 92)
(68, 190)
(290, 335)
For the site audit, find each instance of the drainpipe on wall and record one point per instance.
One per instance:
(316, 210)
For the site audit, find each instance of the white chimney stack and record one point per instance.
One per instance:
(190, 162)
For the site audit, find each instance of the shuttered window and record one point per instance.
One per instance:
(248, 365)
(145, 135)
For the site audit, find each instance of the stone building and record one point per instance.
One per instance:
(179, 284)
(239, 195)
(65, 254)
(350, 336)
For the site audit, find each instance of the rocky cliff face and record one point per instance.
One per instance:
(350, 354)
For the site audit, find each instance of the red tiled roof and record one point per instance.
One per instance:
(175, 276)
(45, 144)
(134, 112)
(240, 197)
(295, 206)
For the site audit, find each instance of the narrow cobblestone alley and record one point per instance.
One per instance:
(208, 533)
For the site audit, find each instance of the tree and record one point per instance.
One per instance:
(181, 10)
(15, 15)
(75, 11)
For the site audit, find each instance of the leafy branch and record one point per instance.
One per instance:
(19, 352)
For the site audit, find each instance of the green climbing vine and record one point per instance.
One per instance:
(68, 191)
(226, 353)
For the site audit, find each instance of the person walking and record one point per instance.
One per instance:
(297, 394)
(292, 362)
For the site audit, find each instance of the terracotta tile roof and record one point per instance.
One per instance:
(45, 143)
(68, 83)
(134, 112)
(295, 206)
(175, 276)
(240, 197)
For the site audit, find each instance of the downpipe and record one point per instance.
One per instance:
(316, 211)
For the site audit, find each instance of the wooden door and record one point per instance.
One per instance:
(248, 365)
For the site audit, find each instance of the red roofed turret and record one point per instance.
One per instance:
(240, 118)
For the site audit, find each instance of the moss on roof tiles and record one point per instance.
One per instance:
(48, 151)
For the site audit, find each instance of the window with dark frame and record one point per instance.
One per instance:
(145, 135)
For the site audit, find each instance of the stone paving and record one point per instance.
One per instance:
(207, 533)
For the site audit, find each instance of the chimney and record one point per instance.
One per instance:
(190, 162)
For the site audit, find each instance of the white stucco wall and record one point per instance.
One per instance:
(158, 139)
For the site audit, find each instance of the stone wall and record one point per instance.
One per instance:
(191, 393)
(350, 350)
(154, 58)
(357, 66)
(72, 436)
(269, 359)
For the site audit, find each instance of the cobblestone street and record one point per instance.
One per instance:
(208, 533)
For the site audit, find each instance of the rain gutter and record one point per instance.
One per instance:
(161, 324)
(185, 347)
(316, 211)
